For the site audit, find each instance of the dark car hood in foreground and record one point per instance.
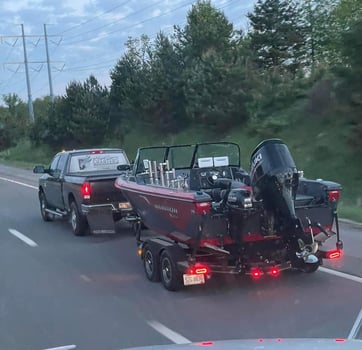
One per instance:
(265, 344)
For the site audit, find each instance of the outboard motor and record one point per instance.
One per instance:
(274, 179)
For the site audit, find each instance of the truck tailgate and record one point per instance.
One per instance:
(103, 190)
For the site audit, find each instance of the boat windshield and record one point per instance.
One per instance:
(188, 156)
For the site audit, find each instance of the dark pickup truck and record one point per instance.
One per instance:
(79, 186)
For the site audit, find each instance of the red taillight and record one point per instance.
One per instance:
(97, 152)
(206, 343)
(334, 254)
(86, 190)
(256, 273)
(339, 340)
(274, 271)
(198, 270)
(202, 208)
(333, 196)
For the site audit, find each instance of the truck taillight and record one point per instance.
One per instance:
(202, 208)
(86, 190)
(333, 196)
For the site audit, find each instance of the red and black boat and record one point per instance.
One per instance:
(211, 216)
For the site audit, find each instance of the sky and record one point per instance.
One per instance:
(84, 37)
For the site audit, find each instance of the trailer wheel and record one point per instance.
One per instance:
(310, 268)
(170, 276)
(151, 264)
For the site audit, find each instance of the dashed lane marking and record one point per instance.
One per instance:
(85, 278)
(18, 183)
(168, 333)
(341, 274)
(23, 238)
(65, 347)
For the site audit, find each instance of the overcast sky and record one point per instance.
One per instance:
(85, 36)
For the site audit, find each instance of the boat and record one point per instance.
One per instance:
(198, 197)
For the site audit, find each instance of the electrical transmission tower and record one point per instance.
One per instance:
(26, 62)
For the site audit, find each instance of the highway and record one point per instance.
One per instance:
(91, 292)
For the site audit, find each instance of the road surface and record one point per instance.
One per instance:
(91, 292)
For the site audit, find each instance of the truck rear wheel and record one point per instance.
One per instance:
(43, 206)
(170, 276)
(78, 221)
(151, 264)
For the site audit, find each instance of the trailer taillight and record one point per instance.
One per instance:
(334, 254)
(198, 270)
(333, 196)
(274, 271)
(202, 208)
(86, 190)
(256, 273)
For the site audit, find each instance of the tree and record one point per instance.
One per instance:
(212, 77)
(276, 35)
(318, 24)
(166, 107)
(130, 88)
(13, 121)
(79, 118)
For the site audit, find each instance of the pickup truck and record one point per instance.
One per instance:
(79, 186)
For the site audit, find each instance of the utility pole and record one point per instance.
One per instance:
(48, 64)
(30, 101)
(26, 63)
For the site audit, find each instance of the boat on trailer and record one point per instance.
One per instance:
(212, 216)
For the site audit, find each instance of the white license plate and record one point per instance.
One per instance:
(193, 279)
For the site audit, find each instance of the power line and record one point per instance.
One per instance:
(116, 21)
(93, 18)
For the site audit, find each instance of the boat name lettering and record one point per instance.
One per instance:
(165, 208)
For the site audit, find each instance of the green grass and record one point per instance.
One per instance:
(350, 212)
(24, 155)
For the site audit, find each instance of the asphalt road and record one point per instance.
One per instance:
(58, 289)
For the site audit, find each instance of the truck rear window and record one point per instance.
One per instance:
(96, 162)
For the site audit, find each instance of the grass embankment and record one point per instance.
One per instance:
(319, 147)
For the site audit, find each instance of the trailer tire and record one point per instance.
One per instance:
(151, 264)
(170, 276)
(310, 268)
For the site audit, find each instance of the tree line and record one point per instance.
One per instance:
(210, 74)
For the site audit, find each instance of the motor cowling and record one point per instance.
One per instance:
(274, 177)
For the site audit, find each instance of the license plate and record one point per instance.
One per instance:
(193, 279)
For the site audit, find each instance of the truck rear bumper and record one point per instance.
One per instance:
(101, 217)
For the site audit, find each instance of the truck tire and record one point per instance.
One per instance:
(78, 221)
(170, 276)
(43, 206)
(151, 264)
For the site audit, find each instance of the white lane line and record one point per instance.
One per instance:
(18, 183)
(22, 237)
(65, 347)
(356, 327)
(168, 333)
(341, 274)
